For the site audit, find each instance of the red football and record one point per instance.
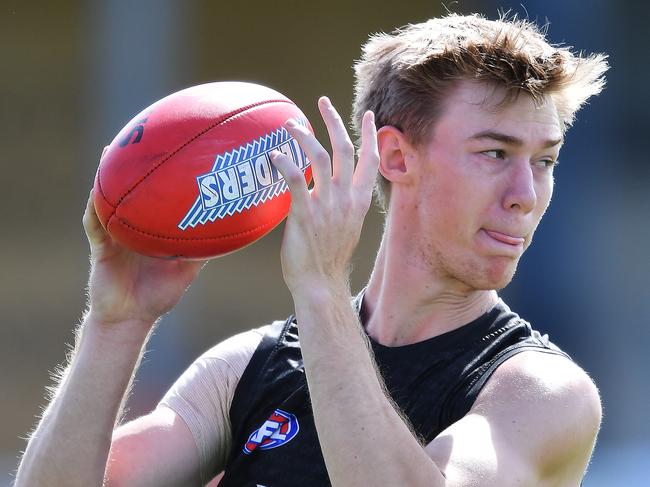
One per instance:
(190, 176)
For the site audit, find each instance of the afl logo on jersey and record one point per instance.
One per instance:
(279, 429)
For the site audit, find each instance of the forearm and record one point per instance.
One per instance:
(363, 438)
(70, 445)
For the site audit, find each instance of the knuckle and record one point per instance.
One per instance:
(365, 205)
(321, 157)
(294, 177)
(362, 202)
(370, 152)
(346, 147)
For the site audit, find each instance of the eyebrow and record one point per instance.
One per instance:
(510, 139)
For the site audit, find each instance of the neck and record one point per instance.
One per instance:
(408, 302)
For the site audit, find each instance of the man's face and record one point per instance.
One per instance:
(486, 179)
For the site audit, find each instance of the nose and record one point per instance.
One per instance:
(520, 195)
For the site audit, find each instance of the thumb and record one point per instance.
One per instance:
(95, 232)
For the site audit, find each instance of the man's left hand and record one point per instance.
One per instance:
(324, 224)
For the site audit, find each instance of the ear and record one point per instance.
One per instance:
(395, 154)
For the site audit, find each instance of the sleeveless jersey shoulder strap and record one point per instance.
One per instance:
(246, 388)
(478, 382)
(465, 396)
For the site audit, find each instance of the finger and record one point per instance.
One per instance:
(194, 267)
(342, 147)
(320, 159)
(294, 178)
(368, 165)
(95, 232)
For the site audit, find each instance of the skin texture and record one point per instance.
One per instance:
(127, 294)
(464, 206)
(445, 196)
(463, 209)
(466, 184)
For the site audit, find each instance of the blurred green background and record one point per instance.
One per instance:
(74, 72)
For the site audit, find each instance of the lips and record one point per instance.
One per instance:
(505, 238)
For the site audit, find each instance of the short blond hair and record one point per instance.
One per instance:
(404, 76)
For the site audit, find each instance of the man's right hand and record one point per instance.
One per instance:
(127, 293)
(128, 287)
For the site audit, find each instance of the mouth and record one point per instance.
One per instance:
(505, 238)
(502, 244)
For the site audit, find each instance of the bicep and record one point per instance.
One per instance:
(186, 439)
(156, 449)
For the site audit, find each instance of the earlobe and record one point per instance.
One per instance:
(394, 152)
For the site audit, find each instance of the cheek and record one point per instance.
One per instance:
(454, 195)
(453, 206)
(544, 194)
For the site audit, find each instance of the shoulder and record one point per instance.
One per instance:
(235, 353)
(203, 394)
(548, 400)
(534, 423)
(236, 350)
(219, 369)
(543, 378)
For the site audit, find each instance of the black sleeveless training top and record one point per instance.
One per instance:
(434, 382)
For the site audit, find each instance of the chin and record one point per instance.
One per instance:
(495, 275)
(475, 271)
(501, 275)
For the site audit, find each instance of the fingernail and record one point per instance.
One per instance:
(291, 123)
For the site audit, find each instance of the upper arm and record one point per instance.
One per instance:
(156, 449)
(186, 439)
(534, 423)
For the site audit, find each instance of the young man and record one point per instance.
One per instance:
(426, 377)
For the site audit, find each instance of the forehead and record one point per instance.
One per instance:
(473, 107)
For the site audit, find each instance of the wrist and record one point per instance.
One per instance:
(322, 291)
(128, 330)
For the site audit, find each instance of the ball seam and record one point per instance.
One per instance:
(190, 239)
(103, 195)
(227, 117)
